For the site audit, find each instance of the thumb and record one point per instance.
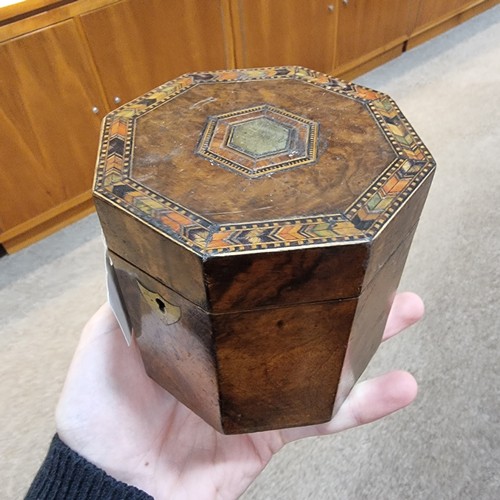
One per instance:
(368, 401)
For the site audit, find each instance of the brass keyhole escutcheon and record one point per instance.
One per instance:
(169, 313)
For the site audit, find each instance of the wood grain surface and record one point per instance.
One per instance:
(180, 355)
(267, 368)
(284, 32)
(363, 29)
(47, 157)
(280, 367)
(159, 257)
(240, 282)
(369, 323)
(352, 153)
(241, 372)
(140, 44)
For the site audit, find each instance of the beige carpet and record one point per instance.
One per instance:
(445, 446)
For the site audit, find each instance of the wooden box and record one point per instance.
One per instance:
(258, 222)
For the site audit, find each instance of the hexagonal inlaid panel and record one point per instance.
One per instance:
(259, 137)
(259, 140)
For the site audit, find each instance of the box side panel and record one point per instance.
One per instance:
(240, 282)
(371, 316)
(280, 367)
(175, 340)
(397, 230)
(145, 248)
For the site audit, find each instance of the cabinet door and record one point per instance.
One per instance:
(432, 12)
(140, 44)
(284, 32)
(48, 132)
(367, 28)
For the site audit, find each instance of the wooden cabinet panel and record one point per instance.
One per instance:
(366, 28)
(430, 12)
(48, 131)
(285, 32)
(140, 44)
(431, 18)
(19, 154)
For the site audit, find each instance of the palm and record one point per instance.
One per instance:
(114, 415)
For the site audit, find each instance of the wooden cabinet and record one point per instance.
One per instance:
(429, 11)
(139, 44)
(343, 37)
(48, 130)
(284, 32)
(432, 17)
(369, 33)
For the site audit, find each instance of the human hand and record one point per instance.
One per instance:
(116, 417)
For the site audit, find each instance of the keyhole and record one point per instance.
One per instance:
(161, 305)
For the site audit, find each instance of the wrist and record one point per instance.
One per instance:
(66, 474)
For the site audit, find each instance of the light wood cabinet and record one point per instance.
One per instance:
(284, 32)
(431, 11)
(432, 17)
(343, 37)
(48, 129)
(369, 33)
(140, 44)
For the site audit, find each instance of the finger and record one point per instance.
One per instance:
(368, 401)
(407, 309)
(103, 322)
(103, 350)
(103, 328)
(374, 399)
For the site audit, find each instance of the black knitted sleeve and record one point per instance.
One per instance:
(66, 475)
